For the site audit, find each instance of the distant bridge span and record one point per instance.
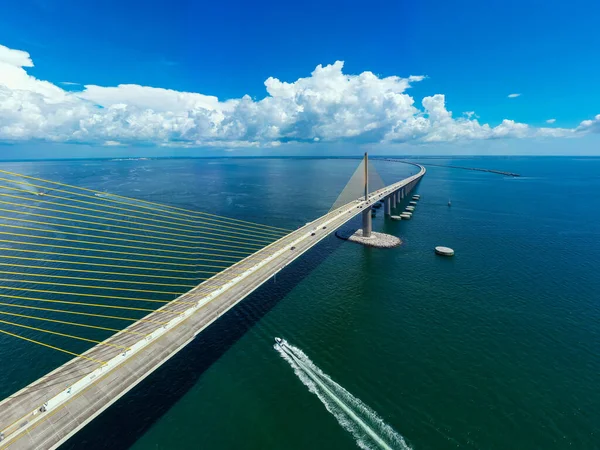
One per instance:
(46, 413)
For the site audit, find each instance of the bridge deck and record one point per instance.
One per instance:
(24, 427)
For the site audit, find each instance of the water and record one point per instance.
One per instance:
(495, 348)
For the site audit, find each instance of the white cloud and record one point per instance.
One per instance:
(326, 106)
(144, 97)
(592, 126)
(16, 58)
(513, 95)
(550, 121)
(15, 80)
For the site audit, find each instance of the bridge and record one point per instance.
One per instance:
(47, 412)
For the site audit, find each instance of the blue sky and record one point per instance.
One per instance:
(473, 53)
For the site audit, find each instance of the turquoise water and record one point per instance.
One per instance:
(495, 348)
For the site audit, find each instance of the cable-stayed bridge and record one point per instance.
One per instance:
(149, 276)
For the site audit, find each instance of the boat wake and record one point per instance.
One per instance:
(367, 428)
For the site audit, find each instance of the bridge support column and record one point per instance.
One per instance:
(402, 193)
(367, 223)
(388, 206)
(394, 198)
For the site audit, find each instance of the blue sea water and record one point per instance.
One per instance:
(496, 348)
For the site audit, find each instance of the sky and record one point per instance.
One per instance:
(192, 78)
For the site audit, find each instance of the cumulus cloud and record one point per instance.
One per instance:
(329, 105)
(16, 58)
(592, 126)
(513, 95)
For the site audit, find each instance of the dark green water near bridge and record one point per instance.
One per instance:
(496, 348)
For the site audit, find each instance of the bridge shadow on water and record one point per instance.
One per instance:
(128, 419)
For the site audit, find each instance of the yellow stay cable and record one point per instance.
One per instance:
(106, 258)
(117, 252)
(85, 304)
(256, 237)
(257, 228)
(118, 259)
(186, 211)
(10, 280)
(78, 313)
(64, 269)
(27, 213)
(49, 268)
(52, 347)
(192, 229)
(112, 297)
(214, 288)
(250, 226)
(45, 319)
(63, 335)
(37, 222)
(104, 280)
(93, 305)
(136, 247)
(189, 247)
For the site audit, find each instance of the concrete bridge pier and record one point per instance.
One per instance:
(388, 206)
(367, 222)
(394, 198)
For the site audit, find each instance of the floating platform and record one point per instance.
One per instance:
(410, 208)
(412, 203)
(405, 216)
(377, 240)
(395, 217)
(444, 251)
(416, 197)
